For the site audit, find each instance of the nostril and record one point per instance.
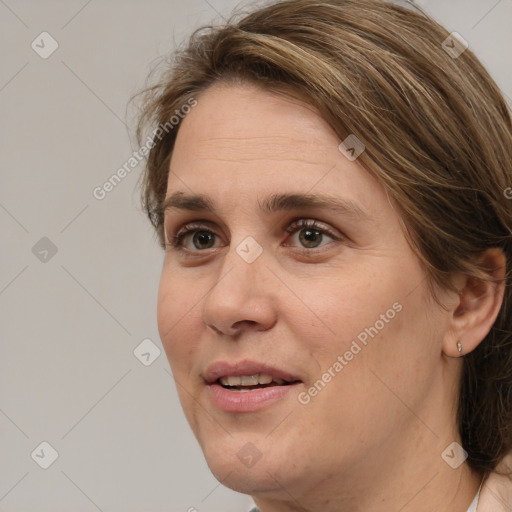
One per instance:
(244, 322)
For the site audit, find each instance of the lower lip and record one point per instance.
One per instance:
(247, 401)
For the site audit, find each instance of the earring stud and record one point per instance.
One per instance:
(459, 346)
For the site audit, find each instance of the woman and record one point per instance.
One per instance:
(328, 180)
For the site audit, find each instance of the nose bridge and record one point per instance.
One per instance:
(238, 294)
(242, 266)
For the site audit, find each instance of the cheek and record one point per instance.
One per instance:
(384, 357)
(343, 307)
(176, 316)
(166, 309)
(376, 319)
(365, 398)
(176, 300)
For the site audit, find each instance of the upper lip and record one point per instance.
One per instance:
(246, 367)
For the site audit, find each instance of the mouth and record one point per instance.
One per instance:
(247, 386)
(244, 383)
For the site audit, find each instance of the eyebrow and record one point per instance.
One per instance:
(273, 203)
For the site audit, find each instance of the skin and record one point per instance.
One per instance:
(372, 439)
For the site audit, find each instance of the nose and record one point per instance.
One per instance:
(242, 296)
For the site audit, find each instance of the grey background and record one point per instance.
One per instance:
(70, 321)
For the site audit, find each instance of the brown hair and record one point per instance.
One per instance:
(438, 136)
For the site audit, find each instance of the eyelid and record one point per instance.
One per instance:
(305, 222)
(191, 226)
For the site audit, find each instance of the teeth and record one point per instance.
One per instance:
(250, 380)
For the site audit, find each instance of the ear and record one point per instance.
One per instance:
(478, 305)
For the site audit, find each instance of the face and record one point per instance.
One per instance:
(328, 296)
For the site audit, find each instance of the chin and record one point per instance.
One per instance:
(257, 467)
(256, 481)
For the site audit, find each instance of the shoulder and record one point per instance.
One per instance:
(496, 492)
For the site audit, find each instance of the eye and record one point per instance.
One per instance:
(310, 233)
(201, 238)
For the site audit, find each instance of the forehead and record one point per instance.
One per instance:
(245, 122)
(241, 143)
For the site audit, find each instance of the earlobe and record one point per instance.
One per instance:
(478, 305)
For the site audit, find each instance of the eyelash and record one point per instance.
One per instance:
(297, 225)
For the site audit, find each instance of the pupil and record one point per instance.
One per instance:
(202, 236)
(310, 236)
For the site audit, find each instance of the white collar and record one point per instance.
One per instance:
(474, 503)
